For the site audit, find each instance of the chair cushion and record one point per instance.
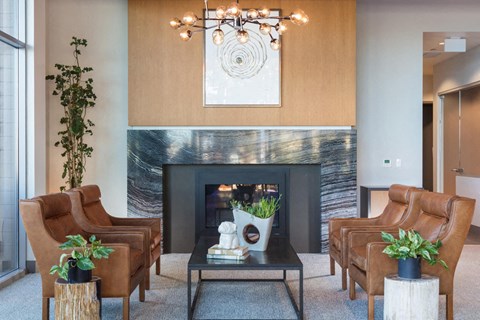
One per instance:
(136, 260)
(57, 216)
(358, 256)
(155, 240)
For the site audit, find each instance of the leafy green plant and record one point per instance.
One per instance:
(411, 245)
(81, 254)
(76, 96)
(263, 209)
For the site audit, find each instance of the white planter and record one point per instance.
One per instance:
(243, 220)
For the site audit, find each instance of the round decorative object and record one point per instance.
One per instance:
(409, 268)
(242, 61)
(253, 232)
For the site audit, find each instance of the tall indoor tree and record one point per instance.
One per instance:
(76, 96)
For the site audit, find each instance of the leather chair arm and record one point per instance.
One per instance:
(122, 230)
(134, 239)
(337, 223)
(379, 265)
(115, 271)
(362, 238)
(153, 223)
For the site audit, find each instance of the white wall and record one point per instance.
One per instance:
(104, 24)
(389, 81)
(470, 187)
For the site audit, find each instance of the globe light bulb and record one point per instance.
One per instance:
(189, 19)
(252, 14)
(175, 23)
(221, 12)
(186, 35)
(299, 17)
(218, 37)
(281, 27)
(265, 28)
(234, 10)
(264, 12)
(242, 36)
(275, 44)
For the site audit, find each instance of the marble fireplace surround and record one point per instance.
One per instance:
(333, 148)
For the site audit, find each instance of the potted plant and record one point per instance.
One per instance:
(78, 267)
(409, 248)
(258, 216)
(76, 96)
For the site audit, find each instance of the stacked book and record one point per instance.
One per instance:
(239, 253)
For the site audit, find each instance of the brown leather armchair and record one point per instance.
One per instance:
(48, 220)
(443, 217)
(401, 211)
(92, 217)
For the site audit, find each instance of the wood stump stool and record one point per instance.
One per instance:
(411, 298)
(78, 301)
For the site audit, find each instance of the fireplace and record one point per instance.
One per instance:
(156, 158)
(217, 186)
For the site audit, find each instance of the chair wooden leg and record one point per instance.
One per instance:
(352, 289)
(344, 278)
(332, 266)
(147, 279)
(157, 266)
(371, 307)
(449, 298)
(141, 291)
(45, 308)
(126, 308)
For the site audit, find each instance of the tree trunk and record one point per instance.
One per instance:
(77, 301)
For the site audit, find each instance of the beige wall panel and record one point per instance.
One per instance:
(318, 68)
(470, 132)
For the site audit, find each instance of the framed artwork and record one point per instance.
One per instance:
(241, 75)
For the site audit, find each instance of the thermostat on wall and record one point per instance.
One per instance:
(387, 163)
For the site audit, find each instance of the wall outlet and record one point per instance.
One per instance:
(387, 163)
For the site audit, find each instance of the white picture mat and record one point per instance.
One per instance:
(262, 89)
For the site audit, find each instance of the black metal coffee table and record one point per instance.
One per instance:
(279, 256)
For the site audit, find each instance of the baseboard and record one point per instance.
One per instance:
(475, 230)
(31, 266)
(11, 277)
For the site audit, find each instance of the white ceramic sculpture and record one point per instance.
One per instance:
(228, 235)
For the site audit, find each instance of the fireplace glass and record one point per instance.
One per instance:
(219, 196)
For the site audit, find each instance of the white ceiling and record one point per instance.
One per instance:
(433, 51)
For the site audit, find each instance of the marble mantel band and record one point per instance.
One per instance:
(334, 150)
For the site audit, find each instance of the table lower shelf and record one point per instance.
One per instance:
(298, 307)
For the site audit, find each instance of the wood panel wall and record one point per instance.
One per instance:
(318, 68)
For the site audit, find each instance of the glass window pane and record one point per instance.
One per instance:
(9, 17)
(8, 158)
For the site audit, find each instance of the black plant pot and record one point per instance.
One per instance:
(409, 268)
(77, 275)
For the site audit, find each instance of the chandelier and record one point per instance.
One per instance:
(233, 17)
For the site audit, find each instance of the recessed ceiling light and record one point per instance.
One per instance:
(441, 43)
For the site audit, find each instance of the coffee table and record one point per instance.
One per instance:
(279, 256)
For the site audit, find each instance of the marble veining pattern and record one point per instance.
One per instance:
(335, 150)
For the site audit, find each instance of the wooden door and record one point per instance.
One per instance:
(451, 145)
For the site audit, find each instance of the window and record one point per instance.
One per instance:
(11, 49)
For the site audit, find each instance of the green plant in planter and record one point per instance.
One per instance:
(411, 245)
(263, 209)
(76, 96)
(81, 254)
